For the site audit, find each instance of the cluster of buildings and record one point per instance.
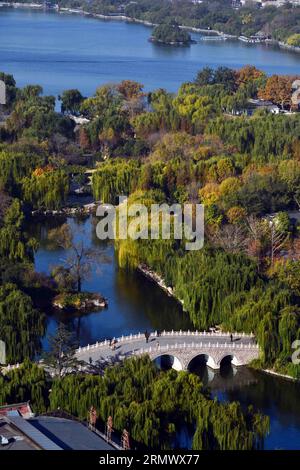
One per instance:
(236, 4)
(255, 104)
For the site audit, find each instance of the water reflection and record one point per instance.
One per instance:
(127, 310)
(225, 378)
(275, 397)
(135, 304)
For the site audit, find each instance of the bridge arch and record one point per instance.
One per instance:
(168, 361)
(229, 359)
(202, 359)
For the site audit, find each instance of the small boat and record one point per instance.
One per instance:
(213, 38)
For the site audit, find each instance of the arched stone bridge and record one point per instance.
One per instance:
(181, 346)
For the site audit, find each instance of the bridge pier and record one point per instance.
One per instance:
(211, 363)
(177, 364)
(174, 363)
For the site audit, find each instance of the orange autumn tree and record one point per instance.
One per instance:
(42, 170)
(130, 89)
(248, 74)
(278, 89)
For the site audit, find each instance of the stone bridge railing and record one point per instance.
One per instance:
(184, 353)
(185, 346)
(164, 334)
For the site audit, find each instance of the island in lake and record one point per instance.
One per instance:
(171, 34)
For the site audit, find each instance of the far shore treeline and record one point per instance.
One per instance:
(274, 22)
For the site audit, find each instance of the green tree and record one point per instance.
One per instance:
(71, 101)
(27, 383)
(61, 357)
(21, 325)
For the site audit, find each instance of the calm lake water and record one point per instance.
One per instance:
(136, 304)
(61, 51)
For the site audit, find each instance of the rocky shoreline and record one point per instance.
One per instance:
(283, 376)
(86, 209)
(159, 281)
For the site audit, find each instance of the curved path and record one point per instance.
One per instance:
(181, 346)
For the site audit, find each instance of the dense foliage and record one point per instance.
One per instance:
(170, 34)
(151, 405)
(199, 145)
(28, 383)
(21, 326)
(226, 287)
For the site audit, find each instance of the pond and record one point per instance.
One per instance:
(136, 304)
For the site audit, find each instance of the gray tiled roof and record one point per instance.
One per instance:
(69, 434)
(17, 441)
(32, 432)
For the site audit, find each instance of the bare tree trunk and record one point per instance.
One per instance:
(79, 284)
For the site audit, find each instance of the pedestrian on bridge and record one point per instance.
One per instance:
(231, 338)
(147, 336)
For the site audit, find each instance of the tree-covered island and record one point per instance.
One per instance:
(170, 34)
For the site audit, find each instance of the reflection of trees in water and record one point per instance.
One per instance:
(231, 378)
(39, 228)
(226, 378)
(271, 393)
(140, 297)
(163, 312)
(75, 322)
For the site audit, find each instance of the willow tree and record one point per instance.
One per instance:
(47, 190)
(114, 179)
(288, 329)
(14, 243)
(153, 405)
(27, 383)
(21, 325)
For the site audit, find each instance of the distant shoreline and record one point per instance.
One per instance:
(210, 32)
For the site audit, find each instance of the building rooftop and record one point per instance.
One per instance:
(69, 434)
(21, 430)
(16, 440)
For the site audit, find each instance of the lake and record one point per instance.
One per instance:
(62, 51)
(136, 304)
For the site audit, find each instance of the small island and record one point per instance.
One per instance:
(171, 34)
(79, 301)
